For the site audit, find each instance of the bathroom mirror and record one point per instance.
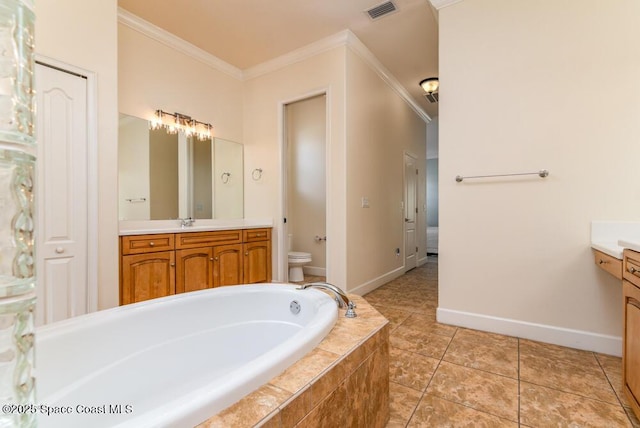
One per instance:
(164, 176)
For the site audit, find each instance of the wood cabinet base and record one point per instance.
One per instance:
(160, 265)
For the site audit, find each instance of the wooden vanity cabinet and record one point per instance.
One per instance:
(631, 337)
(205, 260)
(227, 265)
(257, 255)
(159, 265)
(194, 269)
(147, 267)
(608, 263)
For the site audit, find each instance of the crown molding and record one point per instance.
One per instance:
(365, 54)
(342, 38)
(439, 4)
(166, 38)
(297, 55)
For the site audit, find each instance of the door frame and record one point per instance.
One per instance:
(92, 171)
(283, 262)
(405, 154)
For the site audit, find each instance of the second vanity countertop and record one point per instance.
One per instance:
(149, 227)
(612, 238)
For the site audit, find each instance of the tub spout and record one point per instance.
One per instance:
(340, 296)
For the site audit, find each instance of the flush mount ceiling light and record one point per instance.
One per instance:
(430, 86)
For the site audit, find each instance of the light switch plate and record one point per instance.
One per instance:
(365, 202)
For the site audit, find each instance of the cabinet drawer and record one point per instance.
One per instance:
(608, 263)
(631, 267)
(208, 239)
(140, 244)
(251, 235)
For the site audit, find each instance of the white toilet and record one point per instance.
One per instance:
(297, 259)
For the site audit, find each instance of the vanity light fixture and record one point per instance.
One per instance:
(430, 86)
(173, 123)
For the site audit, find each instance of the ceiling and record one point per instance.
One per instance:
(245, 33)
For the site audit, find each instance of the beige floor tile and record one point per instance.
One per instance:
(486, 392)
(559, 353)
(610, 364)
(427, 323)
(395, 316)
(545, 407)
(635, 421)
(420, 341)
(556, 373)
(499, 357)
(411, 369)
(437, 412)
(475, 383)
(483, 337)
(403, 402)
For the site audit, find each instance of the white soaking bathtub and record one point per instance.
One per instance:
(173, 361)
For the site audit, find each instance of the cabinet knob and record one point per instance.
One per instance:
(59, 250)
(602, 262)
(215, 258)
(172, 264)
(246, 254)
(151, 244)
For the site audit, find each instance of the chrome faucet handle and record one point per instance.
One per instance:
(340, 296)
(350, 312)
(188, 221)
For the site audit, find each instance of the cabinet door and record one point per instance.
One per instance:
(257, 262)
(631, 349)
(227, 265)
(147, 276)
(194, 270)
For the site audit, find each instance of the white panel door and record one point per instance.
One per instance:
(410, 211)
(61, 195)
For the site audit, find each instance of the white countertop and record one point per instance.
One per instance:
(612, 237)
(145, 227)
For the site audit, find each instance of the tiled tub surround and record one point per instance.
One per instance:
(343, 382)
(441, 375)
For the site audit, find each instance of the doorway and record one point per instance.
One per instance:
(304, 174)
(410, 211)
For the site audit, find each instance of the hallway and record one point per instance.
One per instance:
(447, 376)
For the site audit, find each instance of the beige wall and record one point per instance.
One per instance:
(154, 76)
(381, 127)
(525, 86)
(84, 34)
(264, 99)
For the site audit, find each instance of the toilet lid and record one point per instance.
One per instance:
(299, 255)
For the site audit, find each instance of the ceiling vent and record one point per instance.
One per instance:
(432, 97)
(381, 10)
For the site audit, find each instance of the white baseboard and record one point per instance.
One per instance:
(578, 339)
(314, 270)
(369, 286)
(422, 261)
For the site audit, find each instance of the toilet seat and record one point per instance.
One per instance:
(299, 255)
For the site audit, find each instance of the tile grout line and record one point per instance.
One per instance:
(431, 379)
(615, 391)
(519, 389)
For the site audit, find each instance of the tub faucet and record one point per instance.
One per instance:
(340, 296)
(186, 222)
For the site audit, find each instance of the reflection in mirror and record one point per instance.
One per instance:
(165, 176)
